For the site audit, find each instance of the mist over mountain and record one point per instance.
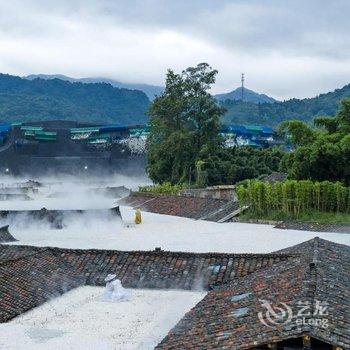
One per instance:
(150, 90)
(248, 96)
(41, 99)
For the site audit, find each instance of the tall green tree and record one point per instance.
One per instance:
(300, 133)
(185, 126)
(321, 154)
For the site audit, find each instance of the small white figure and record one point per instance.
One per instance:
(114, 289)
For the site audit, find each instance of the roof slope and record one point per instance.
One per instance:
(227, 318)
(161, 269)
(5, 235)
(331, 262)
(185, 206)
(9, 252)
(30, 278)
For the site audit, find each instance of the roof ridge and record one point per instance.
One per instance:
(38, 251)
(169, 252)
(239, 279)
(156, 252)
(316, 250)
(312, 283)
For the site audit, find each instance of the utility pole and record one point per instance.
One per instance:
(242, 80)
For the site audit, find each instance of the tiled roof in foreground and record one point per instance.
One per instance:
(30, 276)
(14, 252)
(314, 274)
(228, 317)
(164, 270)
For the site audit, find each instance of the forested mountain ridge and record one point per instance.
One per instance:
(248, 96)
(39, 99)
(150, 90)
(274, 113)
(47, 99)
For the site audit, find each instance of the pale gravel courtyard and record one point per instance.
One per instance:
(81, 319)
(168, 232)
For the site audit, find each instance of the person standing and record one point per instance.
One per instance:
(138, 216)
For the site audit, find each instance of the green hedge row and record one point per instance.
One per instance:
(166, 188)
(294, 197)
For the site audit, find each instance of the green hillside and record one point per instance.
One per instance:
(39, 99)
(274, 113)
(249, 96)
(150, 90)
(47, 99)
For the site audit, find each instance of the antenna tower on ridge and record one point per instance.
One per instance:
(242, 80)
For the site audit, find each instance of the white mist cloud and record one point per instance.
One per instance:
(67, 193)
(286, 48)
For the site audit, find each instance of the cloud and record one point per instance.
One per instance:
(287, 48)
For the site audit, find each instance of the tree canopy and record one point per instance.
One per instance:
(322, 153)
(185, 144)
(185, 127)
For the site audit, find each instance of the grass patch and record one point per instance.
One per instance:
(315, 217)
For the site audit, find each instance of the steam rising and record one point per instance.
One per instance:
(95, 196)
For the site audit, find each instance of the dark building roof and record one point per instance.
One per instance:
(9, 252)
(30, 276)
(314, 274)
(5, 235)
(227, 318)
(186, 206)
(54, 217)
(314, 226)
(161, 269)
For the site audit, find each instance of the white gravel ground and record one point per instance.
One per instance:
(80, 319)
(168, 232)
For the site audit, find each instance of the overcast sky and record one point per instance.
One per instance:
(287, 48)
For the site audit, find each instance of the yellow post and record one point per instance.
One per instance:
(138, 216)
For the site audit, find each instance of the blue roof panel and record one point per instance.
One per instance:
(237, 128)
(111, 128)
(267, 130)
(5, 127)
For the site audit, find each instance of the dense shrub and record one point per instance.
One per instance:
(294, 197)
(320, 154)
(232, 165)
(165, 187)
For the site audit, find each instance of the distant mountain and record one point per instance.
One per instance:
(248, 96)
(53, 98)
(274, 113)
(40, 99)
(150, 90)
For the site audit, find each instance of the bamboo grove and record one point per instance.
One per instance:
(294, 197)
